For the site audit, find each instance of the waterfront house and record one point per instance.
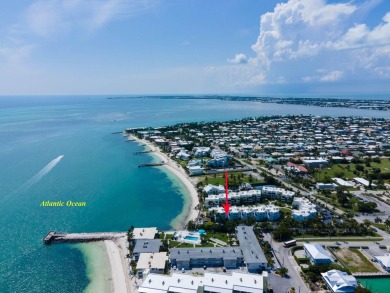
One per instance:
(151, 263)
(144, 233)
(146, 246)
(339, 282)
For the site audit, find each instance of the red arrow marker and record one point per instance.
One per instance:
(226, 205)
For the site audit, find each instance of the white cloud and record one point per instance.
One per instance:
(15, 54)
(46, 17)
(332, 76)
(317, 41)
(238, 59)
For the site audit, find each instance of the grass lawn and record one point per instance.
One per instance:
(336, 171)
(218, 179)
(341, 170)
(286, 211)
(384, 165)
(355, 260)
(220, 236)
(332, 199)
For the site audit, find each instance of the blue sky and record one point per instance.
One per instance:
(194, 47)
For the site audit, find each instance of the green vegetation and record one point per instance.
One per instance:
(313, 272)
(348, 203)
(220, 236)
(282, 271)
(371, 168)
(267, 249)
(354, 260)
(383, 227)
(175, 244)
(339, 170)
(235, 179)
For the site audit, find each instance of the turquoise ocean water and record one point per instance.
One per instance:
(97, 167)
(376, 285)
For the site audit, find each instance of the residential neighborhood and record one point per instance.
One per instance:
(314, 182)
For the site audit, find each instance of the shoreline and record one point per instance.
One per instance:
(116, 251)
(188, 213)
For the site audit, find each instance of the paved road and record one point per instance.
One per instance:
(287, 260)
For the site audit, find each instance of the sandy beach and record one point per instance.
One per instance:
(189, 212)
(117, 251)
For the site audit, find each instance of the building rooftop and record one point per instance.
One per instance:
(206, 252)
(144, 233)
(317, 251)
(250, 246)
(147, 245)
(152, 260)
(242, 282)
(221, 283)
(339, 282)
(384, 259)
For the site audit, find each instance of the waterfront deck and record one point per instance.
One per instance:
(54, 237)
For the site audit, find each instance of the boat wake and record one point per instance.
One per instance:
(41, 173)
(33, 179)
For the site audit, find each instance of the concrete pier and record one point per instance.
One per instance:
(151, 165)
(54, 237)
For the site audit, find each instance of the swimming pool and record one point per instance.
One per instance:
(192, 238)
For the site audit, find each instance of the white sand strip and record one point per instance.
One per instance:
(118, 274)
(179, 172)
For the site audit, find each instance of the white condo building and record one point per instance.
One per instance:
(277, 192)
(306, 209)
(260, 212)
(247, 196)
(214, 189)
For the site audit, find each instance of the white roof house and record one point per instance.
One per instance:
(384, 261)
(144, 233)
(364, 182)
(339, 282)
(316, 253)
(342, 182)
(221, 283)
(152, 261)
